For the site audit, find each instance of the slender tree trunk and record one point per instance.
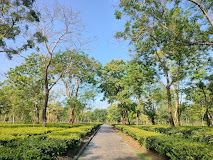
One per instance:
(82, 115)
(127, 116)
(5, 116)
(37, 112)
(165, 70)
(122, 115)
(177, 111)
(72, 115)
(147, 120)
(75, 119)
(72, 110)
(44, 109)
(171, 121)
(138, 113)
(13, 117)
(48, 116)
(137, 117)
(22, 116)
(153, 120)
(207, 110)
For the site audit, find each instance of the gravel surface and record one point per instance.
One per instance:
(108, 145)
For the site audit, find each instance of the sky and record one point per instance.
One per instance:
(101, 25)
(98, 16)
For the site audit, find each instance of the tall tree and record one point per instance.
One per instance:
(138, 79)
(81, 75)
(113, 85)
(159, 34)
(59, 27)
(114, 115)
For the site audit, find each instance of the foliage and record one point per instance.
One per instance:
(165, 38)
(175, 148)
(194, 133)
(113, 113)
(13, 14)
(99, 115)
(41, 143)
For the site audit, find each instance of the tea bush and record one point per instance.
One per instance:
(173, 147)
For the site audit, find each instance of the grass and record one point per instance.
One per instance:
(143, 156)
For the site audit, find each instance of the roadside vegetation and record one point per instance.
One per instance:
(162, 96)
(177, 143)
(22, 141)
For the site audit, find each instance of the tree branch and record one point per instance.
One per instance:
(203, 10)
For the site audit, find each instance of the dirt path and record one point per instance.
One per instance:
(108, 145)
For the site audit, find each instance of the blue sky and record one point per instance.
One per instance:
(99, 20)
(98, 16)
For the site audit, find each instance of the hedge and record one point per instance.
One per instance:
(47, 145)
(194, 133)
(173, 147)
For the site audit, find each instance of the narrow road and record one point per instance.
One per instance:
(108, 145)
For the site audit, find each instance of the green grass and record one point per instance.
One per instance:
(143, 156)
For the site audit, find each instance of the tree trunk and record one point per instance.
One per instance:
(127, 116)
(153, 120)
(122, 115)
(137, 117)
(5, 117)
(177, 111)
(13, 117)
(207, 110)
(72, 115)
(48, 116)
(22, 116)
(36, 113)
(171, 121)
(147, 120)
(72, 110)
(82, 116)
(44, 108)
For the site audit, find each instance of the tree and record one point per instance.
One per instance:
(79, 79)
(15, 13)
(58, 27)
(113, 115)
(29, 78)
(206, 91)
(113, 85)
(99, 115)
(137, 80)
(26, 81)
(160, 35)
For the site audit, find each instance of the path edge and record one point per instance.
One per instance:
(85, 145)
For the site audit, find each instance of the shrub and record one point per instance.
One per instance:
(194, 133)
(48, 144)
(174, 147)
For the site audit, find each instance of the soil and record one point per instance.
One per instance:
(142, 152)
